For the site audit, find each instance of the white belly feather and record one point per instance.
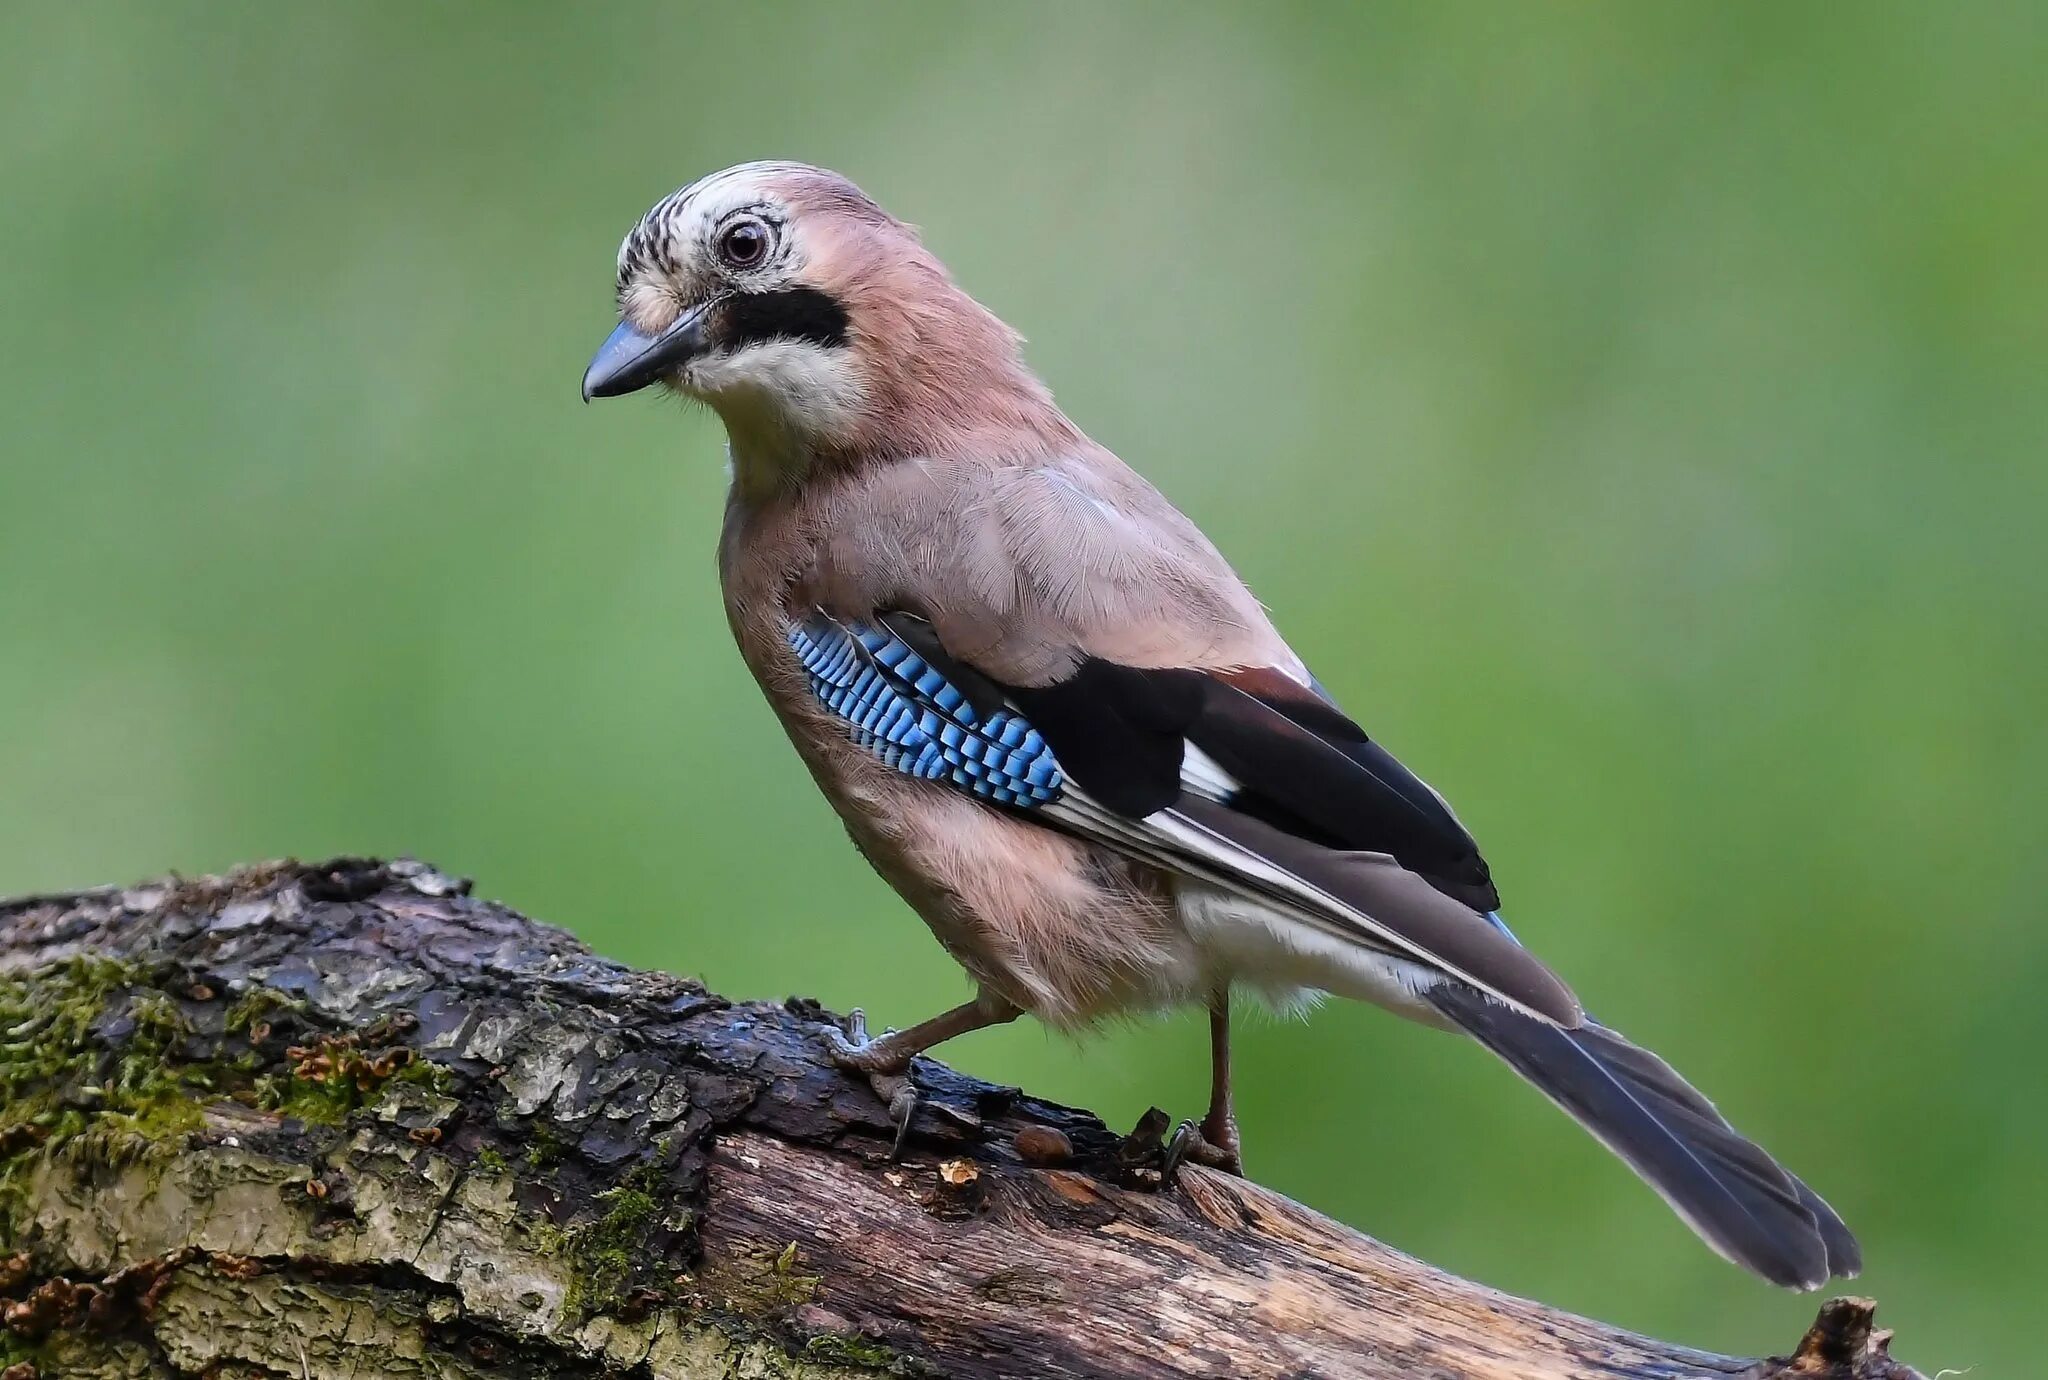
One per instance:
(1265, 950)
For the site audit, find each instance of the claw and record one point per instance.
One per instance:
(897, 1090)
(848, 1044)
(1190, 1144)
(1184, 1137)
(852, 1049)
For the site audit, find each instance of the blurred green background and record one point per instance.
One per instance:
(1636, 414)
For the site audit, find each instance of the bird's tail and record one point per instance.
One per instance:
(1741, 1201)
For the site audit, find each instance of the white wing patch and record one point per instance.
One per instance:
(1201, 774)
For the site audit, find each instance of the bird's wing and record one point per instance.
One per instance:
(1245, 779)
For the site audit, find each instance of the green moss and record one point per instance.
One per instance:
(319, 1101)
(834, 1349)
(788, 1285)
(328, 1080)
(256, 1005)
(492, 1161)
(604, 1250)
(97, 1065)
(620, 1250)
(66, 1090)
(46, 1021)
(759, 1286)
(543, 1147)
(425, 1073)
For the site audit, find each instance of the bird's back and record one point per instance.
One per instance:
(1025, 564)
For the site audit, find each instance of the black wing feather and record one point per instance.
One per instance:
(1299, 759)
(1118, 730)
(1302, 766)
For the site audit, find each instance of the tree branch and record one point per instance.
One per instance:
(344, 1120)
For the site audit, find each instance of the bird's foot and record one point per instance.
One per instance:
(887, 1069)
(1213, 1143)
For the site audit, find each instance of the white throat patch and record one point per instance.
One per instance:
(780, 400)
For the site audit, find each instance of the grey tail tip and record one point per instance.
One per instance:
(1742, 1203)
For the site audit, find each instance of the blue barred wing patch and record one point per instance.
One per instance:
(917, 721)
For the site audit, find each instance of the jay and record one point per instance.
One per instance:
(1053, 718)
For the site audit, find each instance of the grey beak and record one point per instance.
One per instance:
(628, 361)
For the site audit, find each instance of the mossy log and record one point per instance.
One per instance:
(344, 1120)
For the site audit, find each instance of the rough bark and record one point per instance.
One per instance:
(345, 1120)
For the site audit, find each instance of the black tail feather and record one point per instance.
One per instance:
(1741, 1201)
(1845, 1253)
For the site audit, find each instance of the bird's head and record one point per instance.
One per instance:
(815, 323)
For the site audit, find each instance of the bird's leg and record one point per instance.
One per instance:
(1219, 1127)
(886, 1058)
(1215, 1141)
(892, 1052)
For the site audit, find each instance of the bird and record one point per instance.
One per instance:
(1054, 719)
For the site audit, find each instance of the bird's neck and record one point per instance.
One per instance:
(932, 414)
(766, 451)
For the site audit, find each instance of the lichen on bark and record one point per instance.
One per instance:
(361, 1139)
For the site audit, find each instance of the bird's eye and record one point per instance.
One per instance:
(744, 243)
